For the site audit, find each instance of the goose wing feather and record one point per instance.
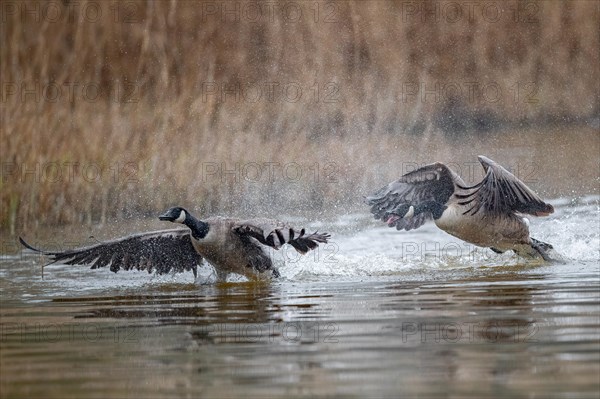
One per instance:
(434, 182)
(160, 251)
(501, 193)
(275, 234)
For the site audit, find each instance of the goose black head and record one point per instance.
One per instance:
(176, 215)
(180, 215)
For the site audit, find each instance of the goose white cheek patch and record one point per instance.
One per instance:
(181, 217)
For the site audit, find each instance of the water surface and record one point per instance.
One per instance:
(376, 313)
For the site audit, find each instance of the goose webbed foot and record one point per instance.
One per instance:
(221, 276)
(399, 212)
(542, 248)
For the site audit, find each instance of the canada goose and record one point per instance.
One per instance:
(230, 245)
(486, 214)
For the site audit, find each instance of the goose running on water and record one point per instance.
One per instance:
(487, 214)
(230, 245)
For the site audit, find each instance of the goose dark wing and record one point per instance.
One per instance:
(434, 182)
(500, 192)
(275, 234)
(160, 251)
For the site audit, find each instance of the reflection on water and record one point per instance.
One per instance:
(432, 329)
(511, 335)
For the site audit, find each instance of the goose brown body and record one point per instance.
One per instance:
(241, 246)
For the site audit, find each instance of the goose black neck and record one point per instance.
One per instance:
(198, 227)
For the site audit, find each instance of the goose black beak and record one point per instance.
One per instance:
(173, 215)
(166, 216)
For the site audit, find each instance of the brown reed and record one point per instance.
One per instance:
(159, 103)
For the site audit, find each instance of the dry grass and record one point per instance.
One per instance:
(156, 145)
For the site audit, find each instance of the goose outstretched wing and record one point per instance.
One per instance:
(160, 251)
(434, 182)
(275, 234)
(500, 193)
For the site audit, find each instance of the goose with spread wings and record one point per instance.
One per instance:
(230, 245)
(487, 214)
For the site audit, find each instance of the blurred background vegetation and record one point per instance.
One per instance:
(121, 109)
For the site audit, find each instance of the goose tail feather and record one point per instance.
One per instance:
(28, 246)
